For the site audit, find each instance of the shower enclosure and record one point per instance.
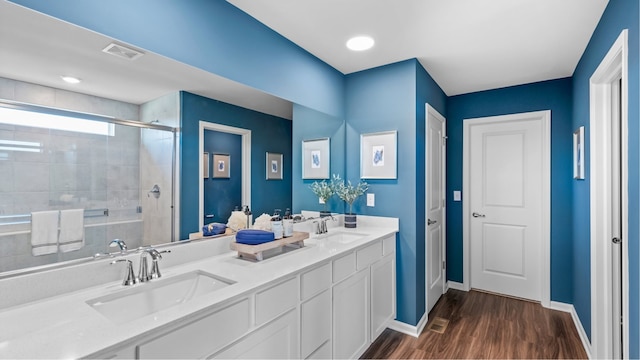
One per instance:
(120, 172)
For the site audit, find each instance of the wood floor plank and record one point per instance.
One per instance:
(486, 326)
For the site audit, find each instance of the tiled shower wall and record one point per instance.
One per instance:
(156, 164)
(73, 170)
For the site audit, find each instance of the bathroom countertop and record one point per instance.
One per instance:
(65, 326)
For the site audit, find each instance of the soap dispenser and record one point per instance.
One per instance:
(287, 223)
(276, 224)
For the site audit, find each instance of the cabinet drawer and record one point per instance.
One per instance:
(344, 267)
(276, 300)
(369, 255)
(315, 281)
(388, 244)
(201, 337)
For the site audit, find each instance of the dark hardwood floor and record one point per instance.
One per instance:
(486, 326)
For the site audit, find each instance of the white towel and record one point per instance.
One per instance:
(71, 230)
(44, 232)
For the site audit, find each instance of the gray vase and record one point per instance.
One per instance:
(350, 221)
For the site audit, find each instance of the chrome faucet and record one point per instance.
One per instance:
(119, 243)
(129, 278)
(321, 224)
(143, 272)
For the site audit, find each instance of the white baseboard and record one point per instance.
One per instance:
(554, 305)
(455, 285)
(405, 328)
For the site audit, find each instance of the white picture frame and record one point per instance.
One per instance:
(379, 155)
(274, 166)
(578, 154)
(221, 166)
(205, 165)
(316, 158)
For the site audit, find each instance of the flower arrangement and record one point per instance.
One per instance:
(348, 192)
(325, 190)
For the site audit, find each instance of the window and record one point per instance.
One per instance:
(54, 122)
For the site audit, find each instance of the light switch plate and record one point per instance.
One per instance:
(371, 200)
(457, 195)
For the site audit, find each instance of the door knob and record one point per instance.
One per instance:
(431, 222)
(616, 240)
(476, 215)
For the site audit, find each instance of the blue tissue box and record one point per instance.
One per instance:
(254, 237)
(214, 229)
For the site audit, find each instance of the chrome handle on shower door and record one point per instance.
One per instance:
(477, 215)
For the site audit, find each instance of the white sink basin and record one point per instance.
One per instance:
(341, 237)
(148, 298)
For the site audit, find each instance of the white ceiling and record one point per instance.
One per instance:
(465, 45)
(39, 49)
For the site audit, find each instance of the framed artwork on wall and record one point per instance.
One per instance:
(205, 165)
(274, 166)
(316, 158)
(378, 155)
(221, 166)
(578, 154)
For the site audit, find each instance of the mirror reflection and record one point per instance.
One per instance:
(126, 183)
(70, 185)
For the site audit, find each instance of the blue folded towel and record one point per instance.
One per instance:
(214, 229)
(254, 237)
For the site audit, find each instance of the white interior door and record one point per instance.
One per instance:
(506, 191)
(616, 219)
(434, 233)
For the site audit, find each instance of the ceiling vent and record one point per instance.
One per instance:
(122, 51)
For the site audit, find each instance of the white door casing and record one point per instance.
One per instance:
(506, 183)
(246, 162)
(435, 206)
(614, 66)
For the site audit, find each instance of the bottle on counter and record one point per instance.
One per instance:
(287, 223)
(276, 224)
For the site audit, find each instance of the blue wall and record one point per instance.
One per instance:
(268, 134)
(309, 124)
(383, 99)
(619, 15)
(552, 95)
(222, 195)
(214, 36)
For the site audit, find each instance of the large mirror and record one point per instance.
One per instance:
(109, 176)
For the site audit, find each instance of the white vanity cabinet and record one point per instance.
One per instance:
(333, 309)
(363, 303)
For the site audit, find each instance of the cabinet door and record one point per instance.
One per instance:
(351, 316)
(314, 323)
(276, 340)
(383, 294)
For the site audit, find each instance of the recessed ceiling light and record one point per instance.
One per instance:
(70, 79)
(360, 43)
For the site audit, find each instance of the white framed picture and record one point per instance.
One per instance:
(378, 155)
(316, 158)
(274, 166)
(578, 154)
(205, 165)
(221, 166)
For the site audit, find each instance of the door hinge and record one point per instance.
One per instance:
(444, 265)
(444, 140)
